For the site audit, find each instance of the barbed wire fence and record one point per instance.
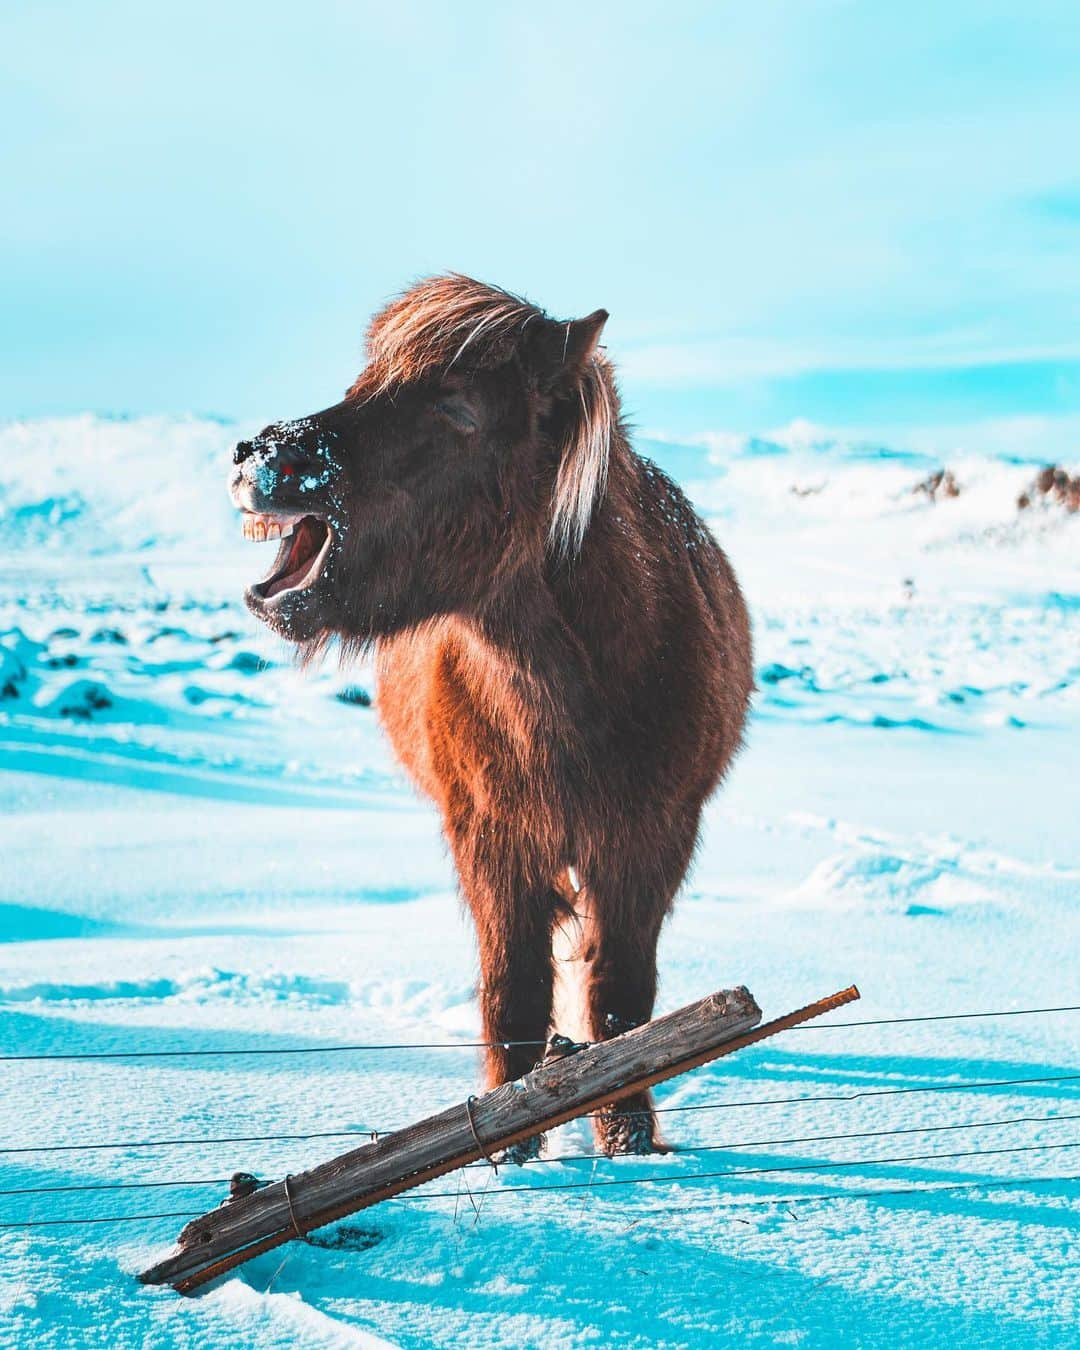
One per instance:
(658, 1176)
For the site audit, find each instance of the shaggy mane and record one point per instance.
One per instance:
(433, 324)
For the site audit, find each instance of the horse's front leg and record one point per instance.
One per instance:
(513, 924)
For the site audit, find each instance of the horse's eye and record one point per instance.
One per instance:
(456, 410)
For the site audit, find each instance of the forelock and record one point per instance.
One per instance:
(437, 323)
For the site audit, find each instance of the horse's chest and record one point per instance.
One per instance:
(449, 705)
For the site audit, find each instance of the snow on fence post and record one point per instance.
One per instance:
(557, 1090)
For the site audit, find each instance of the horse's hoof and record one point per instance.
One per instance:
(525, 1150)
(628, 1132)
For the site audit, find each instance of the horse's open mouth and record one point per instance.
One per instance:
(305, 547)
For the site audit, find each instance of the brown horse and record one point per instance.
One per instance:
(563, 650)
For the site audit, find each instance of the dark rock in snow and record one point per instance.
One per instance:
(354, 694)
(942, 483)
(1053, 485)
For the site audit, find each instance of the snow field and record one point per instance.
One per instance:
(204, 850)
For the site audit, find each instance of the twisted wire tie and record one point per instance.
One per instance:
(476, 1138)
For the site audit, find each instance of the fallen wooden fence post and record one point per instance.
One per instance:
(555, 1091)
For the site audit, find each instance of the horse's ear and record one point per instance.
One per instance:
(562, 352)
(582, 340)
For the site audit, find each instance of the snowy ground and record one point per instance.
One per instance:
(204, 850)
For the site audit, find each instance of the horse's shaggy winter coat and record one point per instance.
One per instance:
(563, 651)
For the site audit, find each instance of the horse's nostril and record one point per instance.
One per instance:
(243, 449)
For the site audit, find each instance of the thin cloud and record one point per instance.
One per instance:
(696, 363)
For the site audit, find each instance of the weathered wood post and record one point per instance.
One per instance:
(555, 1091)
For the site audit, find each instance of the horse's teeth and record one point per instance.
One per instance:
(259, 527)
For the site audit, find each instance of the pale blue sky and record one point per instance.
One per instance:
(855, 213)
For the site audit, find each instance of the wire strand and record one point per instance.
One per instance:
(724, 1204)
(357, 1133)
(192, 1142)
(484, 1045)
(934, 1017)
(266, 1050)
(872, 1193)
(117, 1186)
(104, 1218)
(869, 1092)
(733, 1146)
(682, 1178)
